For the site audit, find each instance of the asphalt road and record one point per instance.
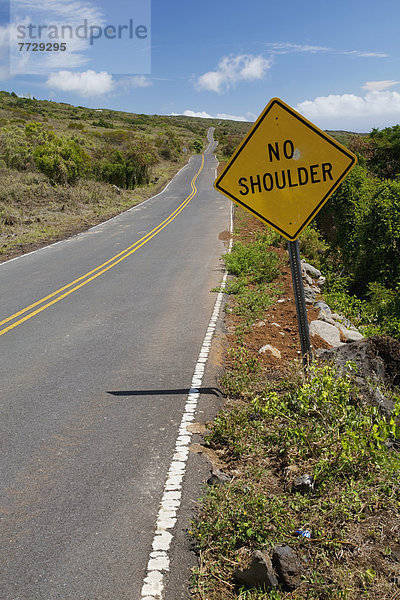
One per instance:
(97, 358)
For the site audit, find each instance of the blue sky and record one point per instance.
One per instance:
(338, 63)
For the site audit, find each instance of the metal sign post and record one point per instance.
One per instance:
(283, 172)
(304, 332)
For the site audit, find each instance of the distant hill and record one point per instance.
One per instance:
(64, 167)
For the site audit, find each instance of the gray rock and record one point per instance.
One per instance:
(323, 308)
(259, 324)
(384, 403)
(321, 281)
(308, 279)
(329, 333)
(259, 574)
(322, 317)
(310, 270)
(341, 320)
(377, 361)
(268, 348)
(351, 335)
(218, 478)
(288, 567)
(309, 294)
(303, 484)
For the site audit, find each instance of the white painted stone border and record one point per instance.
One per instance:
(158, 564)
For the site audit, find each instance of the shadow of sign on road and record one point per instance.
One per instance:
(171, 392)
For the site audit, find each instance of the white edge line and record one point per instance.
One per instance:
(159, 560)
(99, 224)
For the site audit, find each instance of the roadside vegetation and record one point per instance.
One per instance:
(352, 512)
(275, 429)
(61, 165)
(254, 288)
(360, 226)
(228, 136)
(277, 426)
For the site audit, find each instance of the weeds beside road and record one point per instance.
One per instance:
(279, 424)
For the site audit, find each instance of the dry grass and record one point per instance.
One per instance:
(34, 213)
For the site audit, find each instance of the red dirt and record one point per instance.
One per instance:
(284, 338)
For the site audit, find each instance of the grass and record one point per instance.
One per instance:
(33, 212)
(269, 432)
(255, 267)
(319, 427)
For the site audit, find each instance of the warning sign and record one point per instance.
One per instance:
(285, 169)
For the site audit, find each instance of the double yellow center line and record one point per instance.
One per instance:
(40, 305)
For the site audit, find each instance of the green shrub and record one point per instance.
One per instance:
(376, 251)
(385, 157)
(126, 167)
(102, 123)
(254, 261)
(15, 150)
(197, 146)
(313, 245)
(361, 222)
(63, 161)
(169, 145)
(79, 126)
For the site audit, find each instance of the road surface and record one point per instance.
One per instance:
(99, 339)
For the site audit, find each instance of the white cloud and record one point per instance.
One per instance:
(205, 115)
(138, 81)
(375, 109)
(233, 69)
(193, 113)
(365, 54)
(72, 12)
(88, 83)
(287, 47)
(373, 86)
(231, 117)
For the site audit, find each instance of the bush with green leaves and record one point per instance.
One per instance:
(254, 260)
(384, 160)
(361, 222)
(376, 254)
(197, 146)
(62, 160)
(169, 145)
(324, 421)
(126, 167)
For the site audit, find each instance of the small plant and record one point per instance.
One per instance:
(253, 260)
(251, 303)
(312, 245)
(314, 424)
(243, 372)
(197, 146)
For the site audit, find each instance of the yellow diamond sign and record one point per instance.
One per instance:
(285, 169)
